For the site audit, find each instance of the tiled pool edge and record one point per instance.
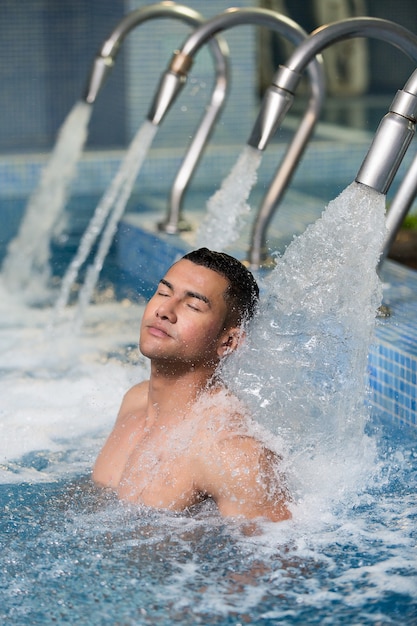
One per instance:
(393, 356)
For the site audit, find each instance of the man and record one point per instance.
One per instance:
(181, 437)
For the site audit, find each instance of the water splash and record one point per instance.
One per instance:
(26, 266)
(303, 367)
(227, 208)
(112, 203)
(345, 567)
(50, 381)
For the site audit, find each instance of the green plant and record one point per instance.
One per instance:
(410, 222)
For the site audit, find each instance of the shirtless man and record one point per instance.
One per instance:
(181, 437)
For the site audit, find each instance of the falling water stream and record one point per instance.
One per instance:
(113, 204)
(227, 208)
(303, 369)
(26, 266)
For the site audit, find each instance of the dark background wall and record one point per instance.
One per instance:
(47, 46)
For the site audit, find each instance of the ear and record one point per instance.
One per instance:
(230, 340)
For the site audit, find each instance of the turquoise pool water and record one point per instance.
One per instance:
(72, 555)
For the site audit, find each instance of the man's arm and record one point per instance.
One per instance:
(242, 477)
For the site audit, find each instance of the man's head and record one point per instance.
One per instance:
(242, 294)
(195, 315)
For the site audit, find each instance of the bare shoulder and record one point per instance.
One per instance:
(237, 470)
(134, 401)
(111, 460)
(246, 480)
(247, 460)
(137, 391)
(222, 412)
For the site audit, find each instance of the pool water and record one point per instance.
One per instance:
(64, 244)
(72, 555)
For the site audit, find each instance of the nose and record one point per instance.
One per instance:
(167, 310)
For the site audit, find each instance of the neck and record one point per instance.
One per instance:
(173, 389)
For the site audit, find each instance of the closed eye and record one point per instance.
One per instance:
(165, 288)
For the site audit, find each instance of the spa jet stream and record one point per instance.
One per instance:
(174, 79)
(105, 60)
(393, 136)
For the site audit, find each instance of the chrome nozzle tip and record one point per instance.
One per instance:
(99, 72)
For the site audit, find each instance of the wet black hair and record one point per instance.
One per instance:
(242, 294)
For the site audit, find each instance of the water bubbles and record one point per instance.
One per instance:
(102, 561)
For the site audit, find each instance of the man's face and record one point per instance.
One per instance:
(184, 319)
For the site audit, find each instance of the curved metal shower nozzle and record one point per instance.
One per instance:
(169, 88)
(285, 27)
(228, 19)
(405, 195)
(386, 152)
(170, 85)
(288, 76)
(276, 103)
(391, 140)
(286, 79)
(106, 56)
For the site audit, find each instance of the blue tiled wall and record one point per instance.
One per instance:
(47, 46)
(46, 49)
(393, 358)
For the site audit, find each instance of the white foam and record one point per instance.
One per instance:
(58, 389)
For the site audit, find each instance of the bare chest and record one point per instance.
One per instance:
(160, 470)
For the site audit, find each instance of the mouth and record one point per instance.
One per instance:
(157, 331)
